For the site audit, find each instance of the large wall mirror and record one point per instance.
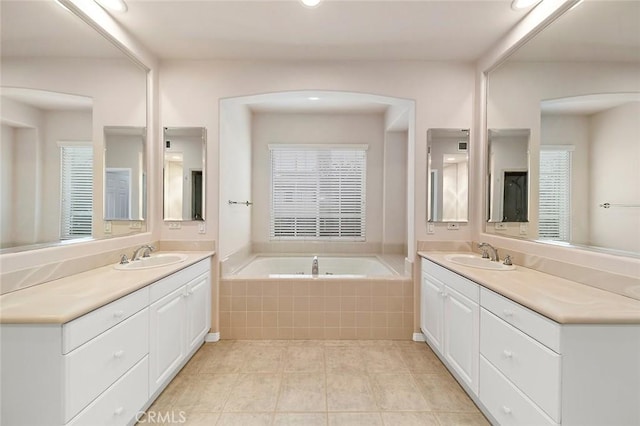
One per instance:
(63, 89)
(448, 175)
(575, 86)
(184, 173)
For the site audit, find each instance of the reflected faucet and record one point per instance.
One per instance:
(314, 266)
(145, 250)
(494, 251)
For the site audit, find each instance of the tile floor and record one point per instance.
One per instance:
(288, 382)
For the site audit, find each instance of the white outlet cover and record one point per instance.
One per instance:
(107, 227)
(202, 228)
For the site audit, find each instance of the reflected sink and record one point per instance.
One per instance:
(155, 261)
(478, 262)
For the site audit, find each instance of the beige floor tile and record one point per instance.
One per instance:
(300, 419)
(422, 361)
(245, 419)
(443, 393)
(355, 419)
(264, 359)
(229, 360)
(409, 419)
(344, 358)
(198, 419)
(348, 391)
(462, 419)
(381, 359)
(304, 358)
(204, 393)
(302, 392)
(254, 392)
(397, 392)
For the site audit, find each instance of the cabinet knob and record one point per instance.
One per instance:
(507, 353)
(118, 314)
(506, 409)
(118, 411)
(507, 312)
(118, 354)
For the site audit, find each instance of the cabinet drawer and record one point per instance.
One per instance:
(532, 367)
(462, 285)
(177, 280)
(85, 328)
(97, 364)
(506, 403)
(121, 403)
(535, 325)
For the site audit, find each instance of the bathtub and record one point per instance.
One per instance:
(300, 266)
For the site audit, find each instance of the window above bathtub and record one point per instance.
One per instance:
(318, 192)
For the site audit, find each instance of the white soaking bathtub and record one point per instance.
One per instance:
(300, 266)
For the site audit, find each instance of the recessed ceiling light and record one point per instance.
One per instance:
(313, 98)
(311, 3)
(115, 5)
(523, 4)
(451, 159)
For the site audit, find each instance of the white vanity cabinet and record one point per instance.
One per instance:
(98, 369)
(450, 321)
(180, 315)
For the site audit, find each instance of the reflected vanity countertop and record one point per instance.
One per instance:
(559, 299)
(65, 299)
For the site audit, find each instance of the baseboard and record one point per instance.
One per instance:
(418, 337)
(212, 337)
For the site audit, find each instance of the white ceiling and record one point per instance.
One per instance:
(47, 101)
(587, 104)
(451, 30)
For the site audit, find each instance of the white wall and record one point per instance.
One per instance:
(6, 184)
(394, 232)
(615, 141)
(443, 93)
(270, 128)
(236, 173)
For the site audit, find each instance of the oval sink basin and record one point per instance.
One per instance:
(478, 262)
(155, 261)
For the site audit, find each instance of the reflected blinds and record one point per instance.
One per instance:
(76, 187)
(318, 192)
(555, 194)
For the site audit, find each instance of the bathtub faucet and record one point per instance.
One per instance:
(314, 266)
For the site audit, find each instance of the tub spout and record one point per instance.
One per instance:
(314, 266)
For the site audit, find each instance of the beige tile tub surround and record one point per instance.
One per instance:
(562, 300)
(316, 308)
(325, 382)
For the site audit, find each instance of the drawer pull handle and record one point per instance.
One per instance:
(507, 353)
(118, 411)
(506, 410)
(118, 314)
(118, 354)
(507, 313)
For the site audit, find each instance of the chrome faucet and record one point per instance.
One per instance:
(145, 250)
(314, 266)
(494, 251)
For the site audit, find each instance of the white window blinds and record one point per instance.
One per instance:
(318, 192)
(76, 188)
(555, 194)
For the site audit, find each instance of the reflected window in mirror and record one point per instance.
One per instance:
(184, 173)
(125, 176)
(508, 175)
(448, 175)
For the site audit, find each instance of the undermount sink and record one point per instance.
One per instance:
(478, 262)
(155, 261)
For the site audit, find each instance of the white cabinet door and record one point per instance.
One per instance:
(431, 310)
(461, 336)
(198, 311)
(167, 337)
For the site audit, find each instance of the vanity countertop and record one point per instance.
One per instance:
(65, 299)
(562, 300)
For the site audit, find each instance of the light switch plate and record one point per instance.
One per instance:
(524, 228)
(107, 227)
(431, 228)
(175, 225)
(136, 224)
(453, 226)
(202, 228)
(500, 226)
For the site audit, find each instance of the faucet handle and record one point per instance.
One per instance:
(507, 260)
(485, 254)
(124, 260)
(147, 253)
